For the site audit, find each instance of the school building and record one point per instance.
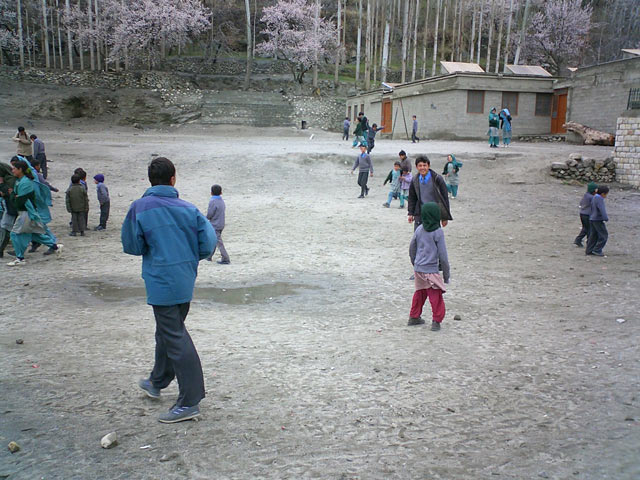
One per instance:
(456, 104)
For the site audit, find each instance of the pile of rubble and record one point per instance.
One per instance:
(540, 138)
(585, 169)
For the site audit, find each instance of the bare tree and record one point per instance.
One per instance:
(385, 45)
(472, 39)
(96, 23)
(453, 31)
(499, 37)
(20, 36)
(415, 41)
(59, 34)
(405, 39)
(316, 23)
(460, 22)
(367, 50)
(359, 40)
(444, 31)
(506, 42)
(491, 23)
(336, 75)
(45, 34)
(479, 47)
(91, 53)
(424, 40)
(67, 12)
(523, 31)
(247, 74)
(435, 40)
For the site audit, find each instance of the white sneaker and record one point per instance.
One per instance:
(16, 262)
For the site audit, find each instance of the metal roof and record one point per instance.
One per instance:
(533, 70)
(455, 67)
(632, 51)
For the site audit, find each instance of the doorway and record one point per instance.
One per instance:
(386, 115)
(559, 112)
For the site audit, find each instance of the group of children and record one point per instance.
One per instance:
(593, 214)
(77, 202)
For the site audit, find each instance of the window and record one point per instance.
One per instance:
(349, 112)
(355, 112)
(510, 102)
(475, 101)
(543, 104)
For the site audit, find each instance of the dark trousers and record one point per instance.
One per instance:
(104, 213)
(78, 221)
(363, 178)
(584, 232)
(598, 236)
(414, 137)
(220, 245)
(42, 158)
(345, 134)
(176, 356)
(370, 144)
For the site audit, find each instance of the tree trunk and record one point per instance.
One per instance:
(444, 31)
(20, 36)
(460, 22)
(424, 40)
(385, 46)
(59, 35)
(590, 135)
(316, 18)
(506, 42)
(67, 12)
(487, 66)
(472, 40)
(358, 41)
(45, 34)
(479, 47)
(405, 39)
(30, 51)
(247, 74)
(435, 40)
(415, 42)
(523, 31)
(96, 27)
(91, 53)
(367, 50)
(500, 36)
(336, 73)
(453, 31)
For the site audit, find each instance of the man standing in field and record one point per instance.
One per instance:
(172, 236)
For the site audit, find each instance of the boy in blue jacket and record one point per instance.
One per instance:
(172, 236)
(598, 234)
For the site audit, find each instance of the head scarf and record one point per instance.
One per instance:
(591, 187)
(430, 214)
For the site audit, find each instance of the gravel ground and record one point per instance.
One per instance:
(310, 369)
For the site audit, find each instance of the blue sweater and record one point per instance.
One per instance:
(598, 210)
(428, 252)
(172, 236)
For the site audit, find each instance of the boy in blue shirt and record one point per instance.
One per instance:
(172, 236)
(598, 234)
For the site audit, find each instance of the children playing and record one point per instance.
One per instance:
(371, 136)
(77, 205)
(405, 183)
(394, 178)
(598, 234)
(428, 254)
(215, 215)
(366, 168)
(103, 199)
(450, 174)
(585, 211)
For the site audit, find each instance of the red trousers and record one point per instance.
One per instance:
(436, 300)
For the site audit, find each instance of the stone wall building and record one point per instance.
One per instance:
(627, 150)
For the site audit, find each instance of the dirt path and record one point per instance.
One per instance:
(311, 371)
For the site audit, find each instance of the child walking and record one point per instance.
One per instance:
(103, 199)
(394, 178)
(371, 136)
(215, 215)
(77, 205)
(365, 168)
(428, 254)
(598, 234)
(585, 211)
(450, 174)
(405, 184)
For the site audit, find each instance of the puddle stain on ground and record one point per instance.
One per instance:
(231, 296)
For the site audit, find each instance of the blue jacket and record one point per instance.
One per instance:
(172, 236)
(598, 210)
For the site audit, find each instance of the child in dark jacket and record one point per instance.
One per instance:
(585, 211)
(215, 215)
(428, 254)
(598, 234)
(394, 178)
(103, 199)
(77, 202)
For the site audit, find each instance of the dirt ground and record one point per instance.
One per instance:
(310, 369)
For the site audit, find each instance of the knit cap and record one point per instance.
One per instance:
(99, 178)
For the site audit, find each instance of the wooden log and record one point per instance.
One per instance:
(589, 135)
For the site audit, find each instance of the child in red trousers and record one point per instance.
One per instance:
(428, 254)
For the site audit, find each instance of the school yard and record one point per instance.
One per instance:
(310, 369)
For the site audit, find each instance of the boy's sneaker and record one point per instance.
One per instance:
(52, 250)
(151, 391)
(179, 414)
(386, 205)
(435, 326)
(598, 254)
(366, 192)
(578, 244)
(16, 262)
(415, 321)
(34, 247)
(99, 227)
(73, 234)
(361, 196)
(223, 262)
(401, 207)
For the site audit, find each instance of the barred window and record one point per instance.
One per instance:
(475, 101)
(510, 102)
(349, 112)
(543, 104)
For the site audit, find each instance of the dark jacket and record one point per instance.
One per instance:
(440, 185)
(77, 199)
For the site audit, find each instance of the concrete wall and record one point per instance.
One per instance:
(598, 94)
(627, 150)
